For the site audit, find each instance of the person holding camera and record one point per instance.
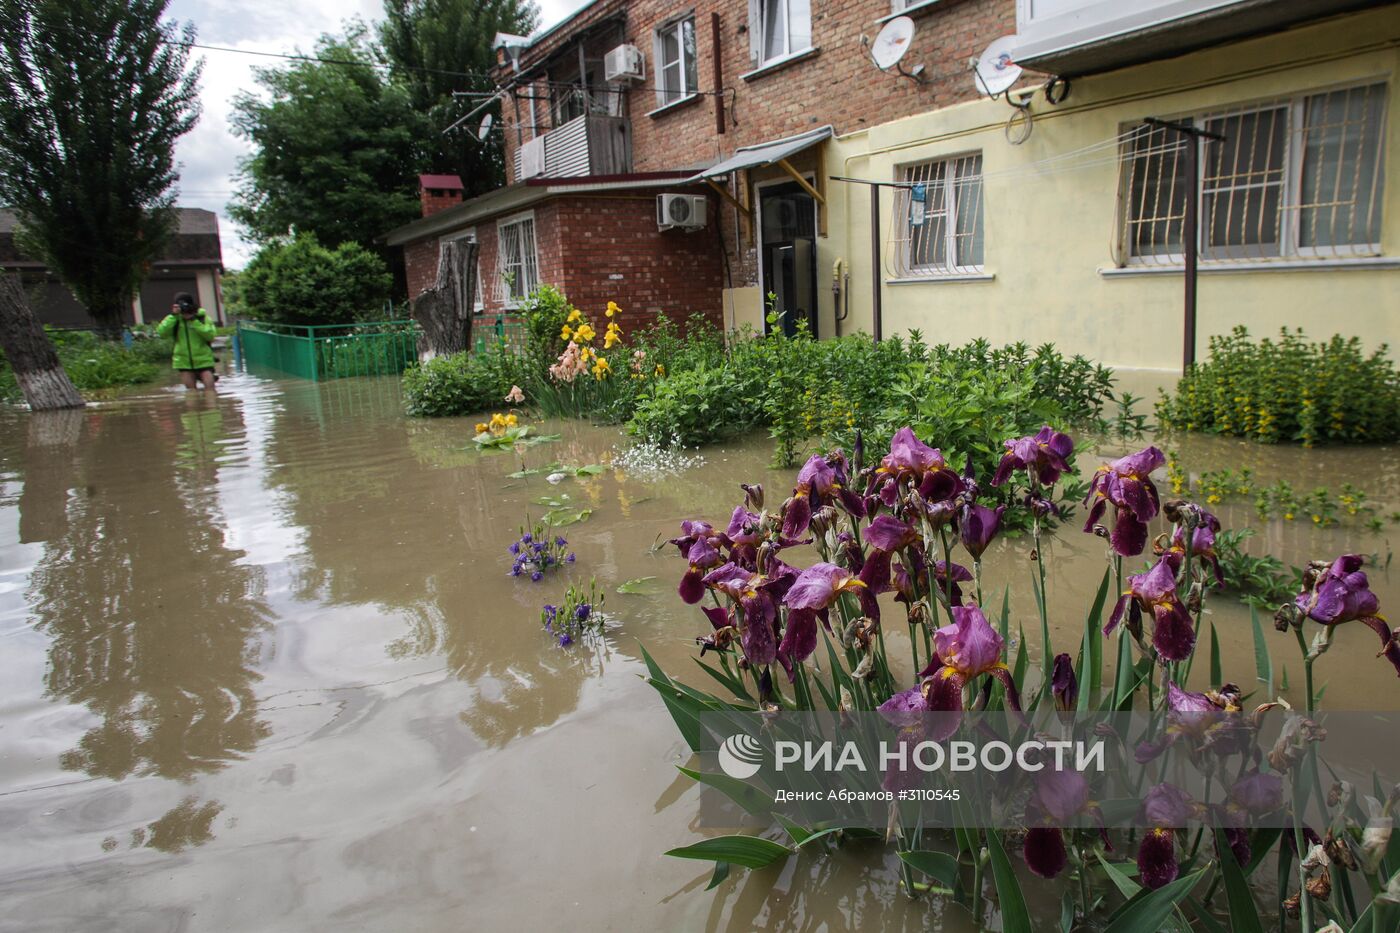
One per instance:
(192, 332)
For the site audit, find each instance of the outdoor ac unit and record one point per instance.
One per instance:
(532, 158)
(680, 211)
(623, 63)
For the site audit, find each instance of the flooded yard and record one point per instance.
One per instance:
(263, 668)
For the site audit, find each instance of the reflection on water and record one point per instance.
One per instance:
(267, 642)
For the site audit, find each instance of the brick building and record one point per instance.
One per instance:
(588, 151)
(1038, 214)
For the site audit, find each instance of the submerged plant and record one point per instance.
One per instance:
(790, 594)
(538, 551)
(578, 615)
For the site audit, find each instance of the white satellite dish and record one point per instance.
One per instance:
(996, 68)
(485, 127)
(893, 42)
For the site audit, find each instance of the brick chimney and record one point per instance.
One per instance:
(439, 192)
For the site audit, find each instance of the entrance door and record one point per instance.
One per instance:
(788, 248)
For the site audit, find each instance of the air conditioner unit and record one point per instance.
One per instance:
(680, 211)
(624, 63)
(532, 158)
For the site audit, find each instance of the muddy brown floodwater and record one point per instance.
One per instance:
(263, 669)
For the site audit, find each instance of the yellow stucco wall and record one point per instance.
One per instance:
(1049, 236)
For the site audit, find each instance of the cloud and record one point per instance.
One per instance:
(208, 156)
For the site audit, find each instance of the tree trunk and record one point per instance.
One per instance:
(445, 310)
(37, 370)
(108, 318)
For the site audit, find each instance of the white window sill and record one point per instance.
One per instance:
(949, 277)
(673, 105)
(911, 8)
(1280, 265)
(778, 64)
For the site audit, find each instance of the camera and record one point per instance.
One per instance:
(186, 304)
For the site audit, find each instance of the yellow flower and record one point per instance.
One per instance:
(585, 333)
(1288, 516)
(610, 338)
(612, 309)
(660, 370)
(511, 420)
(481, 427)
(497, 420)
(587, 354)
(601, 368)
(575, 315)
(567, 333)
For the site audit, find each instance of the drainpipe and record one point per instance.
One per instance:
(875, 283)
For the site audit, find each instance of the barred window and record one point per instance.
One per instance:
(1298, 178)
(516, 266)
(938, 218)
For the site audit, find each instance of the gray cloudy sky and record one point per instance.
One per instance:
(208, 155)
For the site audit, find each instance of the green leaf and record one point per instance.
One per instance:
(721, 872)
(728, 681)
(743, 793)
(745, 851)
(635, 587)
(1203, 916)
(1216, 677)
(1092, 654)
(1125, 885)
(1067, 913)
(558, 518)
(938, 865)
(1263, 663)
(1244, 913)
(1015, 917)
(1150, 909)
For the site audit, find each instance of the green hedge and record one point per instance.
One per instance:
(95, 364)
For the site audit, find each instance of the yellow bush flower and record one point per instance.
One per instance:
(660, 370)
(612, 309)
(567, 333)
(575, 315)
(512, 420)
(611, 338)
(585, 333)
(481, 427)
(601, 368)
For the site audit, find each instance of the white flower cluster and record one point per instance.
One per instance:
(650, 460)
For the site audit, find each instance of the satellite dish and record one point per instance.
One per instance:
(485, 127)
(996, 68)
(893, 42)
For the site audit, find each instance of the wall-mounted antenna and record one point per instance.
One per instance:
(891, 44)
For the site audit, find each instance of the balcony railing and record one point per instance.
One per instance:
(592, 144)
(1077, 37)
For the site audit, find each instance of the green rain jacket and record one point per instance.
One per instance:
(191, 339)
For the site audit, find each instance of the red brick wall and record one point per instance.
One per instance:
(437, 199)
(598, 248)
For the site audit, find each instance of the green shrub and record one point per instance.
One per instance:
(304, 283)
(461, 384)
(694, 406)
(1288, 390)
(95, 364)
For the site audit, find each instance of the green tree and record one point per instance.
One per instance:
(94, 95)
(333, 148)
(299, 281)
(437, 47)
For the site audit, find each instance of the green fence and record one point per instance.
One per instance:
(329, 351)
(488, 330)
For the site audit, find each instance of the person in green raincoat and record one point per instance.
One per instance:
(192, 332)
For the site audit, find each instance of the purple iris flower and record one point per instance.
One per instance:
(1173, 635)
(977, 526)
(921, 466)
(1127, 485)
(1166, 808)
(514, 547)
(946, 578)
(583, 612)
(1341, 593)
(1202, 539)
(537, 576)
(570, 558)
(1047, 454)
(700, 546)
(1064, 686)
(565, 640)
(560, 542)
(817, 587)
(526, 538)
(755, 595)
(1060, 798)
(962, 652)
(1210, 721)
(821, 481)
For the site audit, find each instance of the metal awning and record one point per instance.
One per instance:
(772, 153)
(747, 157)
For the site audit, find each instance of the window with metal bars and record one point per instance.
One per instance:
(1298, 178)
(938, 218)
(517, 270)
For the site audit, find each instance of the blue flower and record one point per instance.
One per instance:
(565, 640)
(515, 548)
(583, 612)
(515, 571)
(570, 558)
(537, 576)
(526, 538)
(550, 610)
(561, 542)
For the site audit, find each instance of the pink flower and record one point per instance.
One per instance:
(515, 395)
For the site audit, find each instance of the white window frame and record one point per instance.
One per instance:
(758, 47)
(676, 24)
(904, 202)
(1291, 208)
(514, 292)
